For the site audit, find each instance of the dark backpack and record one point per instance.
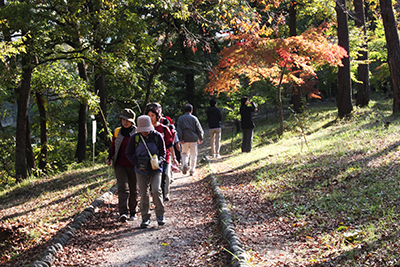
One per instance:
(143, 161)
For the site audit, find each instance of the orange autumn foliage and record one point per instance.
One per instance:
(258, 57)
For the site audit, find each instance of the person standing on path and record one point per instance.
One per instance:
(247, 123)
(214, 118)
(147, 140)
(124, 169)
(190, 134)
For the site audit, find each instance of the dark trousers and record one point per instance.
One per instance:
(247, 140)
(165, 179)
(177, 153)
(127, 189)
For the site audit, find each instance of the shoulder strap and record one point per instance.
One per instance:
(136, 140)
(144, 142)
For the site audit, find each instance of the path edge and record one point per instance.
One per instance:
(49, 255)
(239, 257)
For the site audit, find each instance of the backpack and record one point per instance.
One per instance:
(155, 140)
(116, 131)
(143, 161)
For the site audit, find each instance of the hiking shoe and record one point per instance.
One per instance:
(166, 198)
(123, 218)
(184, 169)
(133, 217)
(191, 173)
(145, 223)
(161, 220)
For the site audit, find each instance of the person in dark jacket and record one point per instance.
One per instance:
(247, 123)
(147, 141)
(214, 118)
(124, 169)
(170, 158)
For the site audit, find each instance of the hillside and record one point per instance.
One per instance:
(331, 201)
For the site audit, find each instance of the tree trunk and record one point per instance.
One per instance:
(344, 81)
(280, 111)
(80, 153)
(153, 72)
(190, 88)
(22, 94)
(189, 75)
(293, 19)
(43, 132)
(363, 88)
(100, 88)
(280, 106)
(99, 79)
(30, 159)
(393, 50)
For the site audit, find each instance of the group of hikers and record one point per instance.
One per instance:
(145, 154)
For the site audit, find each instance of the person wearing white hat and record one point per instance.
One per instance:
(144, 142)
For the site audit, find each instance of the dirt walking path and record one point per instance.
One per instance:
(190, 237)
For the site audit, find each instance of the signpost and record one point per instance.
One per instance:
(94, 129)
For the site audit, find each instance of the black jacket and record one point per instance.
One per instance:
(214, 117)
(246, 119)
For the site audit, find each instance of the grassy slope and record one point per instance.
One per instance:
(34, 211)
(339, 197)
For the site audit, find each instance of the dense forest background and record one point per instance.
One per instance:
(66, 63)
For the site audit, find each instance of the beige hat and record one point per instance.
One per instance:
(128, 115)
(144, 124)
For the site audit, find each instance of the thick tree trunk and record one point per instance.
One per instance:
(99, 78)
(100, 89)
(363, 88)
(189, 75)
(344, 81)
(80, 153)
(292, 19)
(393, 49)
(43, 132)
(23, 94)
